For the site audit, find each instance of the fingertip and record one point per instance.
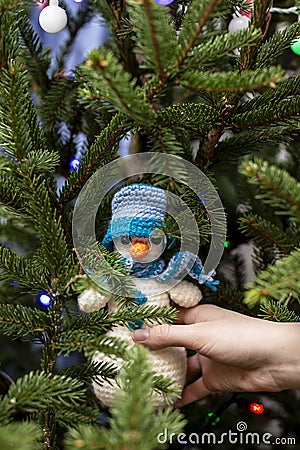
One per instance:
(164, 335)
(193, 392)
(141, 335)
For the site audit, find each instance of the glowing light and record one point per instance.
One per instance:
(164, 2)
(78, 1)
(256, 408)
(295, 46)
(216, 420)
(45, 299)
(226, 244)
(74, 163)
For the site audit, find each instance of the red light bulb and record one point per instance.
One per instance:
(256, 408)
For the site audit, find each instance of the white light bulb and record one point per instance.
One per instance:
(238, 23)
(53, 18)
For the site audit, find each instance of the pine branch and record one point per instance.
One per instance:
(284, 90)
(74, 25)
(90, 370)
(250, 141)
(275, 45)
(97, 322)
(115, 347)
(279, 281)
(198, 14)
(21, 436)
(265, 234)
(78, 414)
(261, 8)
(277, 187)
(212, 48)
(165, 386)
(166, 142)
(277, 312)
(39, 161)
(136, 381)
(196, 205)
(84, 341)
(247, 80)
(36, 58)
(21, 322)
(18, 135)
(219, 46)
(9, 5)
(116, 17)
(155, 36)
(10, 14)
(100, 321)
(59, 102)
(261, 20)
(105, 78)
(12, 191)
(54, 254)
(102, 264)
(38, 390)
(282, 112)
(103, 151)
(192, 117)
(107, 10)
(26, 272)
(133, 423)
(33, 273)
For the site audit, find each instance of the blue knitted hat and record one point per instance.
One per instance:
(137, 210)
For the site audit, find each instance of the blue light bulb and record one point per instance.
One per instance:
(45, 299)
(164, 2)
(74, 163)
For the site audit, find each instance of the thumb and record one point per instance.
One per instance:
(191, 336)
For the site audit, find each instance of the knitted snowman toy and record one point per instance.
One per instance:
(138, 211)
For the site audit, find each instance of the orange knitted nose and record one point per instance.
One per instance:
(139, 249)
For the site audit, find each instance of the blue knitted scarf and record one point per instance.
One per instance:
(181, 261)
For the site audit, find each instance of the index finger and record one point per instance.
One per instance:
(201, 313)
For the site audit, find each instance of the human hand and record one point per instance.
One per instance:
(233, 352)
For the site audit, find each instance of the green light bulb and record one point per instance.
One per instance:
(217, 420)
(295, 46)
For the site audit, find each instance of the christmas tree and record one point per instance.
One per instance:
(213, 83)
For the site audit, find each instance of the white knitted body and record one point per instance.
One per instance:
(169, 362)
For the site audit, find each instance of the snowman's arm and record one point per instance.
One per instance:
(185, 294)
(92, 300)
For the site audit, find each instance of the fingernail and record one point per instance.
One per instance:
(141, 335)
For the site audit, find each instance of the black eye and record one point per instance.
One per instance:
(125, 240)
(156, 240)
